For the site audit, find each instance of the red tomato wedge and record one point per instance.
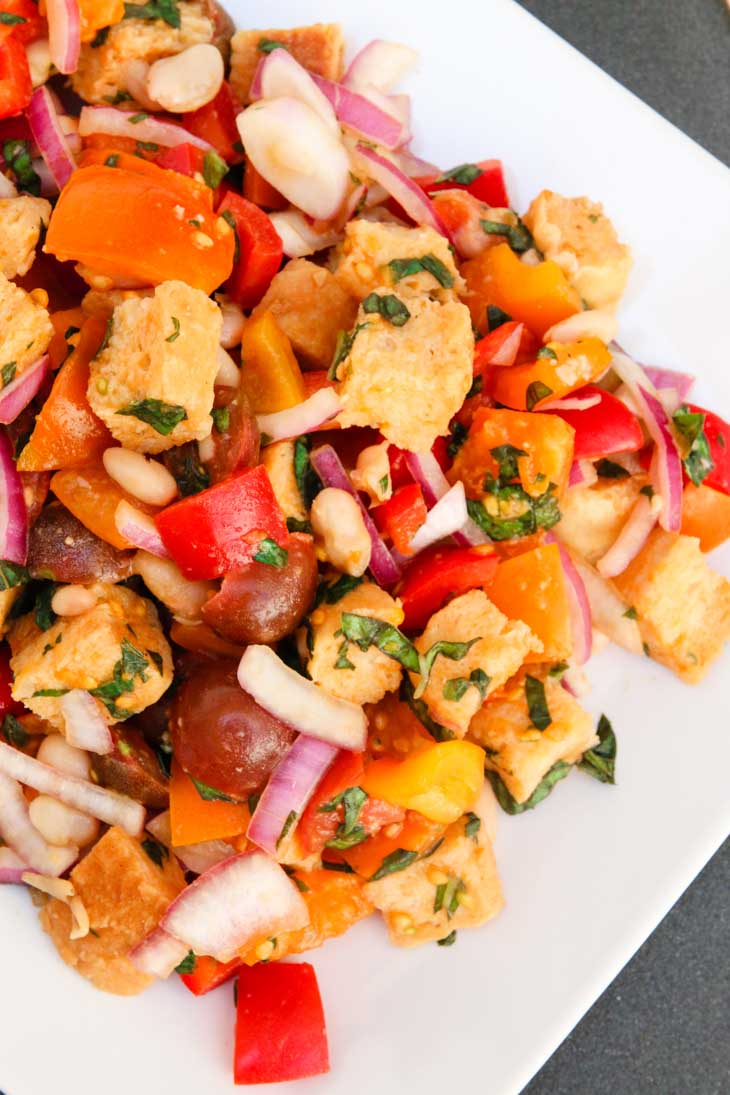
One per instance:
(605, 428)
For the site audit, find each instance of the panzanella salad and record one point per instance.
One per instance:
(322, 474)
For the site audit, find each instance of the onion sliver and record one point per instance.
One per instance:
(581, 626)
(297, 236)
(630, 540)
(116, 123)
(108, 806)
(279, 75)
(22, 837)
(426, 470)
(197, 858)
(573, 403)
(233, 903)
(298, 702)
(666, 466)
(13, 512)
(139, 529)
(296, 151)
(380, 63)
(289, 789)
(448, 516)
(408, 194)
(11, 865)
(64, 34)
(359, 113)
(301, 418)
(17, 395)
(663, 379)
(158, 954)
(85, 726)
(47, 133)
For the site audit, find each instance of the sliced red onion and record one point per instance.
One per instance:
(16, 396)
(414, 167)
(279, 75)
(116, 123)
(666, 467)
(630, 540)
(64, 34)
(108, 806)
(361, 114)
(608, 611)
(234, 903)
(666, 378)
(331, 471)
(575, 682)
(297, 236)
(11, 866)
(301, 418)
(573, 403)
(507, 352)
(581, 627)
(45, 125)
(289, 789)
(409, 196)
(139, 529)
(158, 954)
(381, 64)
(582, 474)
(299, 702)
(197, 858)
(426, 470)
(298, 153)
(470, 535)
(22, 837)
(448, 516)
(84, 723)
(13, 512)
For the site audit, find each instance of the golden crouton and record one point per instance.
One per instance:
(125, 893)
(278, 459)
(682, 605)
(311, 308)
(456, 887)
(371, 674)
(319, 48)
(21, 222)
(25, 329)
(117, 650)
(158, 368)
(369, 248)
(98, 302)
(515, 749)
(408, 381)
(8, 598)
(99, 75)
(577, 234)
(592, 517)
(501, 647)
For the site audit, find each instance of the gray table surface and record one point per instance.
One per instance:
(662, 1027)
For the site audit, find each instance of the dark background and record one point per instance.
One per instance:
(662, 1027)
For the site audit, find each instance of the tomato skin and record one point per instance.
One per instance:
(717, 431)
(260, 250)
(33, 26)
(606, 428)
(216, 123)
(488, 187)
(208, 974)
(439, 573)
(15, 84)
(402, 516)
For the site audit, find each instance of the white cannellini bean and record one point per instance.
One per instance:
(60, 824)
(593, 323)
(337, 519)
(39, 61)
(72, 601)
(55, 751)
(371, 474)
(165, 581)
(188, 80)
(233, 320)
(146, 479)
(7, 188)
(227, 375)
(134, 78)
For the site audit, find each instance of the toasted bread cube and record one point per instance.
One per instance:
(592, 517)
(501, 647)
(278, 459)
(125, 894)
(161, 348)
(311, 308)
(22, 220)
(99, 75)
(456, 887)
(374, 673)
(319, 48)
(408, 381)
(25, 327)
(120, 633)
(682, 605)
(515, 749)
(102, 302)
(577, 234)
(369, 247)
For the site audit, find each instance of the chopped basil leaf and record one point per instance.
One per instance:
(558, 669)
(345, 868)
(7, 373)
(600, 761)
(221, 418)
(175, 330)
(509, 513)
(384, 483)
(8, 19)
(396, 861)
(293, 524)
(214, 169)
(231, 222)
(506, 457)
(536, 703)
(120, 96)
(536, 392)
(18, 159)
(456, 688)
(107, 335)
(517, 235)
(51, 693)
(252, 802)
(343, 346)
(453, 650)
(646, 649)
(465, 174)
(145, 146)
(183, 463)
(14, 732)
(504, 798)
(420, 710)
(648, 491)
(43, 613)
(349, 832)
(404, 268)
(157, 852)
(300, 884)
(631, 613)
(291, 817)
(210, 794)
(268, 45)
(448, 895)
(308, 482)
(157, 659)
(547, 352)
(112, 161)
(343, 662)
(269, 552)
(135, 119)
(100, 37)
(367, 631)
(70, 332)
(131, 664)
(472, 827)
(388, 306)
(12, 575)
(188, 963)
(608, 469)
(692, 441)
(167, 10)
(447, 941)
(496, 317)
(162, 417)
(331, 594)
(459, 434)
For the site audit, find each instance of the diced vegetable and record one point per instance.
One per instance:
(441, 781)
(94, 498)
(259, 250)
(194, 819)
(532, 587)
(485, 180)
(706, 514)
(717, 432)
(558, 369)
(439, 574)
(271, 372)
(15, 85)
(606, 427)
(402, 516)
(215, 123)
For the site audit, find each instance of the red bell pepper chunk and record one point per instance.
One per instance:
(216, 123)
(280, 1027)
(259, 252)
(8, 706)
(489, 185)
(605, 428)
(717, 432)
(402, 516)
(185, 158)
(31, 23)
(218, 530)
(208, 974)
(400, 476)
(509, 344)
(440, 573)
(15, 85)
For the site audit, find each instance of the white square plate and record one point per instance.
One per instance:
(590, 873)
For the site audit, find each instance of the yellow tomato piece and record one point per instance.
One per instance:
(271, 371)
(441, 781)
(562, 368)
